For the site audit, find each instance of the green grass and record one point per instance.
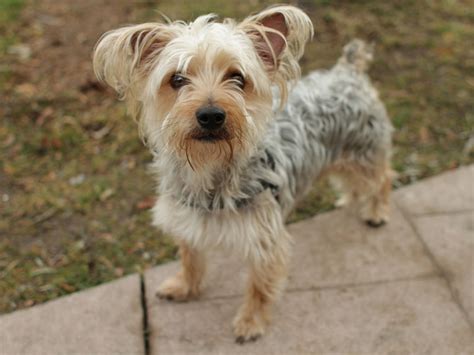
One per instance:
(10, 10)
(74, 186)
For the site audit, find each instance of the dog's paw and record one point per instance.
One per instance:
(375, 216)
(248, 329)
(175, 288)
(376, 220)
(375, 223)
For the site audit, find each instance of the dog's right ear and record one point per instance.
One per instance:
(125, 53)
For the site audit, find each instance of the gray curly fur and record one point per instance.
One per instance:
(330, 115)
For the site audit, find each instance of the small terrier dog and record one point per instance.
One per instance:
(234, 148)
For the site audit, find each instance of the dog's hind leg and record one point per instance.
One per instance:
(186, 283)
(375, 204)
(341, 182)
(367, 186)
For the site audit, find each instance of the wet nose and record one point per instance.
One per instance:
(210, 117)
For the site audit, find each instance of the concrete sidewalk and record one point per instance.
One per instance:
(405, 288)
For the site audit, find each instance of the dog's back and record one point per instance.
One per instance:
(331, 116)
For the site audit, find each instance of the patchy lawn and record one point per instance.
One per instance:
(74, 186)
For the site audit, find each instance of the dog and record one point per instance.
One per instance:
(238, 139)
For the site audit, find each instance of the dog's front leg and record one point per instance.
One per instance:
(186, 283)
(266, 281)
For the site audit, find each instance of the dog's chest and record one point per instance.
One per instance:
(234, 230)
(230, 189)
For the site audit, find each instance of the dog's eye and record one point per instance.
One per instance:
(238, 79)
(177, 81)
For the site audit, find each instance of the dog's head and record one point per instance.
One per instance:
(203, 91)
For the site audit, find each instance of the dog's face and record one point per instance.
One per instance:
(203, 91)
(209, 94)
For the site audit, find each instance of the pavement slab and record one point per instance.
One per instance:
(449, 192)
(103, 320)
(337, 248)
(330, 249)
(450, 239)
(404, 317)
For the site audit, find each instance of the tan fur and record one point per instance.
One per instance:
(126, 58)
(367, 187)
(266, 281)
(267, 258)
(185, 284)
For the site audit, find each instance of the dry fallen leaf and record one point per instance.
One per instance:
(106, 194)
(22, 51)
(67, 287)
(28, 303)
(46, 113)
(146, 203)
(28, 90)
(8, 141)
(424, 135)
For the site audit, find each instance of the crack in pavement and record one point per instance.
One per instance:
(145, 324)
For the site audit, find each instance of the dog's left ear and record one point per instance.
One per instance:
(279, 35)
(122, 55)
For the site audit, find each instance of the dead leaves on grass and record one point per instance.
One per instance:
(146, 203)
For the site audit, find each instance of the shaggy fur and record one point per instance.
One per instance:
(233, 188)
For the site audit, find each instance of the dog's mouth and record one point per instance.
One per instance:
(206, 136)
(217, 144)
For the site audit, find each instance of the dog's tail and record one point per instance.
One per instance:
(358, 55)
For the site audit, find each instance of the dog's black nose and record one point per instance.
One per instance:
(210, 117)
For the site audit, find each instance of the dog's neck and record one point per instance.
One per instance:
(233, 185)
(180, 180)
